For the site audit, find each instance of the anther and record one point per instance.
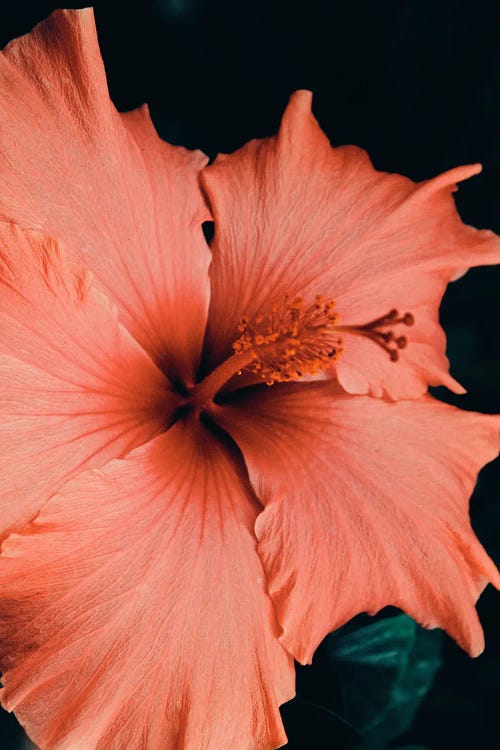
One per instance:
(292, 340)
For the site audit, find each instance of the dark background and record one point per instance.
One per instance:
(416, 83)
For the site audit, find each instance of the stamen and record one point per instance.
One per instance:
(290, 341)
(295, 339)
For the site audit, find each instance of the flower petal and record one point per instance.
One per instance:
(126, 204)
(75, 388)
(134, 612)
(366, 506)
(294, 215)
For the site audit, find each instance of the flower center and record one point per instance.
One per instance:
(293, 340)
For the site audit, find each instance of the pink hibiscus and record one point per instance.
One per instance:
(176, 533)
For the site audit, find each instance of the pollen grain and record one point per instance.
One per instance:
(290, 341)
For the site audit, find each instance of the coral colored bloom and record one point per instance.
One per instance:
(166, 553)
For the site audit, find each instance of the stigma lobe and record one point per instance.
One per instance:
(386, 339)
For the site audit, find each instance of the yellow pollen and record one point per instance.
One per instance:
(292, 340)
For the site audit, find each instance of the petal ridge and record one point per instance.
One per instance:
(91, 608)
(366, 505)
(125, 204)
(295, 216)
(75, 388)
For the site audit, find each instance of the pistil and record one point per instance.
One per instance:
(292, 340)
(204, 392)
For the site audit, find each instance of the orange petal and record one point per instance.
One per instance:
(294, 215)
(134, 611)
(125, 203)
(366, 506)
(75, 388)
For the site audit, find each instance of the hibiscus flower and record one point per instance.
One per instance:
(176, 533)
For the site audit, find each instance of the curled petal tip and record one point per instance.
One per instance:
(475, 646)
(304, 96)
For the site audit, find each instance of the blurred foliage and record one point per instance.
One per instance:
(384, 669)
(369, 676)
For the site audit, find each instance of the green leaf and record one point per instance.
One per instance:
(384, 669)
